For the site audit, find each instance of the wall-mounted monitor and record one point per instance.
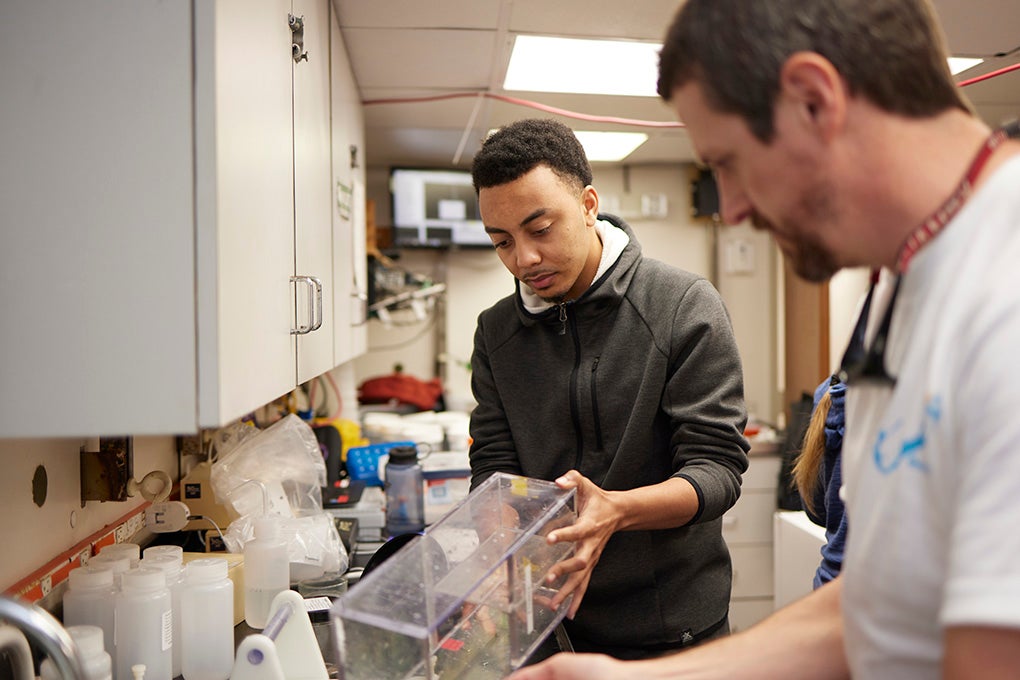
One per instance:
(435, 208)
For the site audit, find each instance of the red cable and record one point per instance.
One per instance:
(601, 119)
(978, 79)
(584, 116)
(525, 102)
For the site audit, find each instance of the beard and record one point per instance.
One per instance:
(812, 262)
(809, 257)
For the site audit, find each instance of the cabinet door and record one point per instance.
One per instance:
(245, 230)
(97, 304)
(350, 266)
(312, 202)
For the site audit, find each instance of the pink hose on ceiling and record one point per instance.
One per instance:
(601, 119)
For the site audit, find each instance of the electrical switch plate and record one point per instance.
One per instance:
(739, 257)
(654, 205)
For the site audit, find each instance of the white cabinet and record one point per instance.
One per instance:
(798, 546)
(313, 227)
(747, 529)
(244, 222)
(167, 169)
(350, 265)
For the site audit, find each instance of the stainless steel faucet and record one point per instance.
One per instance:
(45, 630)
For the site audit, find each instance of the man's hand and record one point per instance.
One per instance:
(576, 667)
(598, 517)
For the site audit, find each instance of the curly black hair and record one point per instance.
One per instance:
(519, 147)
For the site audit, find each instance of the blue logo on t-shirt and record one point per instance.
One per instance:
(888, 461)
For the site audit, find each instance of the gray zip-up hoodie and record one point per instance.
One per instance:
(636, 381)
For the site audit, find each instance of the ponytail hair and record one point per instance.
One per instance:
(805, 473)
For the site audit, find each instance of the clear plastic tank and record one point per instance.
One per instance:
(468, 599)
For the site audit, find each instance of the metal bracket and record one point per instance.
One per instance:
(297, 30)
(105, 473)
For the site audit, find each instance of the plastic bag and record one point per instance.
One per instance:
(281, 471)
(313, 544)
(285, 460)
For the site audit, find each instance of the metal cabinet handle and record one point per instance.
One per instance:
(317, 284)
(314, 303)
(362, 307)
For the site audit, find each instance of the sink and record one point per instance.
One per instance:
(46, 631)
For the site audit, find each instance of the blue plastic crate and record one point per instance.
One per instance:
(363, 461)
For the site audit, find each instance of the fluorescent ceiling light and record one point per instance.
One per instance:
(961, 64)
(545, 64)
(610, 146)
(606, 146)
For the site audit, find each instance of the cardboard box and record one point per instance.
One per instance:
(235, 570)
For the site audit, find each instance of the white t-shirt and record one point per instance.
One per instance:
(932, 466)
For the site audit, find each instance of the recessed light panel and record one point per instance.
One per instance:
(547, 64)
(610, 146)
(961, 64)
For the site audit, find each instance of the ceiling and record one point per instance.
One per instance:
(411, 49)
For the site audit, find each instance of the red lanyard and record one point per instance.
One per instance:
(937, 221)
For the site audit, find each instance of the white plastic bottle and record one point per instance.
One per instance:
(118, 564)
(207, 621)
(95, 661)
(174, 550)
(171, 566)
(266, 571)
(89, 601)
(132, 551)
(144, 625)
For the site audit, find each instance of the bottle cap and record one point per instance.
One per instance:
(168, 564)
(403, 455)
(88, 638)
(143, 579)
(206, 570)
(90, 577)
(173, 550)
(116, 563)
(130, 550)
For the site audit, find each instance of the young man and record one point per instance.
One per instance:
(836, 125)
(617, 375)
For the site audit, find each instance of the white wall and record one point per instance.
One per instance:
(476, 280)
(747, 281)
(846, 291)
(33, 535)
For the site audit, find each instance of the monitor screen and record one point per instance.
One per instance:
(435, 208)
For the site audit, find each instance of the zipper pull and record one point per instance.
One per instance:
(563, 318)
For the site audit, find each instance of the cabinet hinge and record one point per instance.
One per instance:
(297, 30)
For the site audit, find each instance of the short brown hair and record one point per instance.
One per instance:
(892, 52)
